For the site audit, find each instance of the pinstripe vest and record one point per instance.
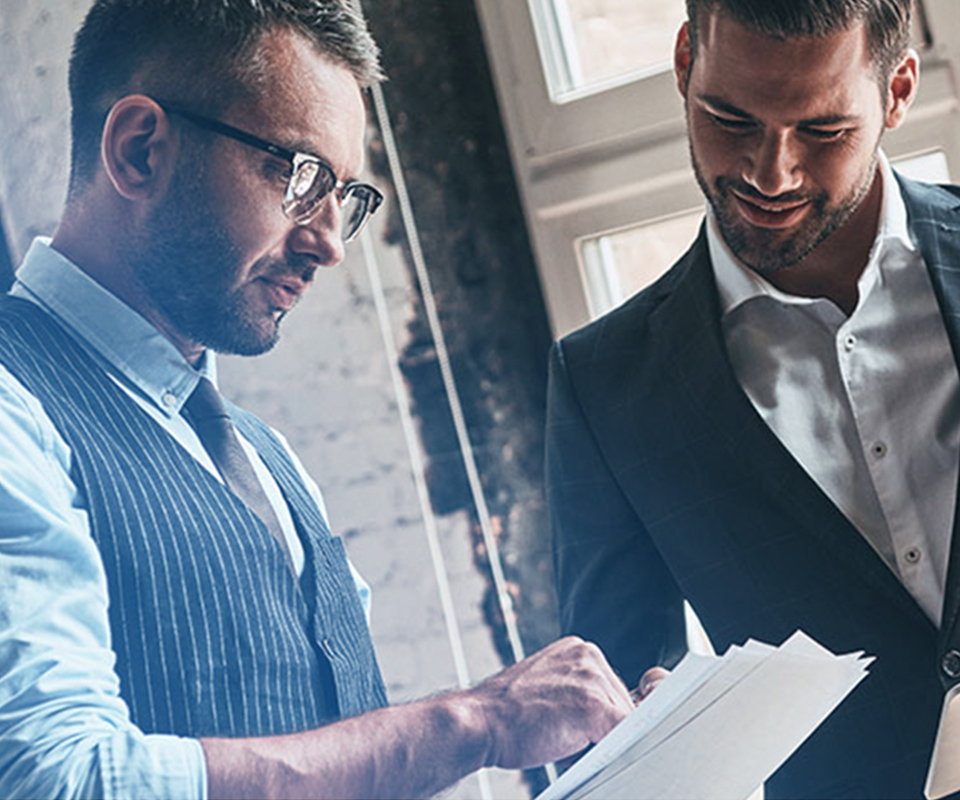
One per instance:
(213, 634)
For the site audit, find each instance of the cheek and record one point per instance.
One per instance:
(250, 211)
(716, 152)
(841, 170)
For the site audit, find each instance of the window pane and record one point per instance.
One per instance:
(617, 265)
(601, 41)
(931, 166)
(587, 44)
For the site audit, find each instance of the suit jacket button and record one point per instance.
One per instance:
(950, 664)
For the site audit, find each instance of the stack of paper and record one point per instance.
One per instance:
(717, 727)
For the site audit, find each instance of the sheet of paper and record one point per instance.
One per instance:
(717, 727)
(943, 777)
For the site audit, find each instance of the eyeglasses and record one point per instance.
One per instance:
(311, 178)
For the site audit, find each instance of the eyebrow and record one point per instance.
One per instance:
(306, 148)
(824, 121)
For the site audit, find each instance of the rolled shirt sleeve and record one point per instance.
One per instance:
(64, 730)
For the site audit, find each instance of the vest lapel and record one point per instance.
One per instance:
(339, 626)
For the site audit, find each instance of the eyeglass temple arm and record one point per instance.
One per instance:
(229, 131)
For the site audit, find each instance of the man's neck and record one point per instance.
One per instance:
(107, 268)
(834, 268)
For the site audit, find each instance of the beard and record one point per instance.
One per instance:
(188, 265)
(767, 251)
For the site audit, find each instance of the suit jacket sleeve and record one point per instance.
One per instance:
(612, 585)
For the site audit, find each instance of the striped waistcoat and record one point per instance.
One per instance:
(213, 634)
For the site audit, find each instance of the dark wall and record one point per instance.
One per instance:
(455, 158)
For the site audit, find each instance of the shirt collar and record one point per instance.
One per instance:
(119, 338)
(738, 283)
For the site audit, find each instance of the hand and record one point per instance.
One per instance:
(551, 705)
(648, 682)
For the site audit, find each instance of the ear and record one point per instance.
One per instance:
(682, 58)
(902, 88)
(138, 147)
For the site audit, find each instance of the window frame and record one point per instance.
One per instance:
(616, 157)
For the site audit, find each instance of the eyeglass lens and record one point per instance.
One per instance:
(312, 182)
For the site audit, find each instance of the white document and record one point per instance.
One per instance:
(716, 727)
(943, 777)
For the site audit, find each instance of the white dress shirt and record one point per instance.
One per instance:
(868, 404)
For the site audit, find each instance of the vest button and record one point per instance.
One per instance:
(950, 664)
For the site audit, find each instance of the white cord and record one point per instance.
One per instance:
(449, 384)
(504, 598)
(416, 465)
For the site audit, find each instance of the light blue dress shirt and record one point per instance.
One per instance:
(64, 730)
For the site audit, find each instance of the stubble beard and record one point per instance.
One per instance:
(187, 265)
(767, 251)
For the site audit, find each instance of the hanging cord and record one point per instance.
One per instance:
(416, 465)
(504, 598)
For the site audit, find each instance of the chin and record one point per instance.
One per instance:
(242, 339)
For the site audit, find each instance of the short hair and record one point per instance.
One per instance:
(887, 22)
(199, 51)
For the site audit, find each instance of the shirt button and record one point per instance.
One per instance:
(950, 664)
(849, 342)
(913, 555)
(878, 449)
(169, 399)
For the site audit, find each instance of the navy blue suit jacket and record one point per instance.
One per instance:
(664, 483)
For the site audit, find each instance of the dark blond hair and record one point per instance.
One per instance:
(202, 52)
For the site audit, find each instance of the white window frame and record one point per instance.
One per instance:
(610, 159)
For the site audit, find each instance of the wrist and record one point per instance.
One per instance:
(463, 722)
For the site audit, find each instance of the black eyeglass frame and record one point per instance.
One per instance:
(296, 160)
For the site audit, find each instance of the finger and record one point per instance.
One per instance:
(615, 690)
(650, 679)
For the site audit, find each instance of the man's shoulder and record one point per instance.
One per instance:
(629, 327)
(922, 195)
(23, 321)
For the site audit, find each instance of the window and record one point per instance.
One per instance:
(598, 139)
(589, 45)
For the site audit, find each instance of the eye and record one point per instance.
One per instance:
(732, 123)
(277, 169)
(825, 134)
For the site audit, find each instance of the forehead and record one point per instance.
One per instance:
(802, 77)
(306, 101)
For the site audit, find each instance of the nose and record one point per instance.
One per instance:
(319, 239)
(774, 167)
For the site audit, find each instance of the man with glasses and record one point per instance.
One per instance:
(176, 619)
(772, 430)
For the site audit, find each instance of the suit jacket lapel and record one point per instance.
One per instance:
(935, 225)
(707, 386)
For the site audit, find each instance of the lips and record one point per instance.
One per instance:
(772, 214)
(281, 294)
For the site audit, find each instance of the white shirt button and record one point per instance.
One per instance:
(878, 449)
(849, 342)
(913, 555)
(169, 399)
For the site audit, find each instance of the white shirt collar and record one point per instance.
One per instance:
(738, 283)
